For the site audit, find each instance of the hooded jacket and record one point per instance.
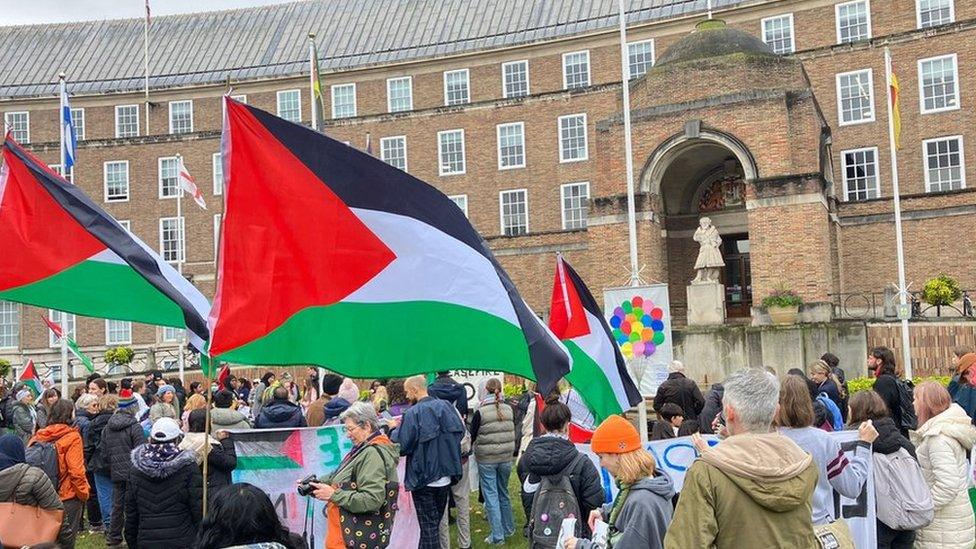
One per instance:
(96, 460)
(121, 435)
(164, 501)
(335, 407)
(429, 436)
(942, 443)
(225, 418)
(279, 414)
(713, 406)
(362, 478)
(751, 490)
(71, 460)
(682, 391)
(644, 516)
(445, 388)
(23, 421)
(890, 439)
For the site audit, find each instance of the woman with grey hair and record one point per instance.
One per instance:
(364, 488)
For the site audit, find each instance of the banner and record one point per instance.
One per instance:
(275, 459)
(640, 318)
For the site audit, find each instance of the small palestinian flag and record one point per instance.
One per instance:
(223, 377)
(330, 256)
(63, 252)
(599, 371)
(29, 378)
(72, 345)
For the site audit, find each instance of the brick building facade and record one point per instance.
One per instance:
(775, 124)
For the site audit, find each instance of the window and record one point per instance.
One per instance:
(343, 100)
(239, 98)
(861, 173)
(938, 83)
(290, 105)
(181, 116)
(9, 325)
(777, 32)
(126, 121)
(54, 370)
(393, 151)
(853, 21)
(514, 212)
(78, 119)
(169, 364)
(461, 200)
(19, 125)
(515, 79)
(126, 224)
(57, 169)
(576, 70)
(931, 13)
(116, 176)
(171, 335)
(511, 145)
(855, 97)
(118, 332)
(169, 171)
(399, 94)
(457, 87)
(944, 166)
(640, 58)
(450, 152)
(216, 243)
(572, 138)
(171, 243)
(574, 202)
(218, 175)
(67, 323)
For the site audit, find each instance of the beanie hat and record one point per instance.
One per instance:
(164, 389)
(615, 435)
(349, 390)
(331, 384)
(24, 393)
(126, 399)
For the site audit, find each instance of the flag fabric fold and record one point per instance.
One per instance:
(70, 138)
(188, 184)
(894, 89)
(30, 378)
(70, 343)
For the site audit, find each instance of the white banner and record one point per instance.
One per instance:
(640, 321)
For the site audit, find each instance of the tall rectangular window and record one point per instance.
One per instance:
(78, 119)
(290, 105)
(514, 207)
(640, 58)
(853, 21)
(344, 100)
(67, 323)
(855, 97)
(945, 168)
(70, 176)
(181, 116)
(457, 87)
(218, 175)
(19, 125)
(861, 173)
(116, 178)
(938, 84)
(931, 13)
(126, 121)
(572, 138)
(576, 70)
(450, 152)
(118, 332)
(393, 151)
(575, 197)
(511, 145)
(461, 200)
(515, 79)
(216, 235)
(171, 334)
(171, 242)
(169, 170)
(777, 32)
(9, 325)
(399, 94)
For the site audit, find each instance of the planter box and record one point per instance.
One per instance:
(783, 315)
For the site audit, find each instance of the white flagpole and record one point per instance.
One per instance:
(64, 327)
(709, 4)
(64, 361)
(145, 60)
(63, 94)
(181, 227)
(312, 69)
(899, 244)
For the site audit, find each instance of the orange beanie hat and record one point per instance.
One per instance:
(615, 435)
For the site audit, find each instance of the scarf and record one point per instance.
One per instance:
(162, 451)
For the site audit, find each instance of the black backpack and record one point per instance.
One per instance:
(909, 421)
(44, 456)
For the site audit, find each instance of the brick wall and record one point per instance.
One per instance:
(931, 344)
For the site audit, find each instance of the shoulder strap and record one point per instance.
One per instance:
(13, 491)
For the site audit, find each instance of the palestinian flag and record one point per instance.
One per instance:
(71, 344)
(29, 378)
(61, 251)
(330, 256)
(599, 372)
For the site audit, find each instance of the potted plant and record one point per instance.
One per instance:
(941, 290)
(783, 306)
(119, 357)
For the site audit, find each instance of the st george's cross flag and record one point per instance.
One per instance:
(599, 373)
(62, 251)
(330, 256)
(70, 343)
(30, 378)
(188, 184)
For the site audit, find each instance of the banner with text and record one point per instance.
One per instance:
(640, 321)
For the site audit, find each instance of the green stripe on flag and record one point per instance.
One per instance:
(75, 350)
(592, 383)
(265, 462)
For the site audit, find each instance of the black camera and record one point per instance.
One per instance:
(305, 487)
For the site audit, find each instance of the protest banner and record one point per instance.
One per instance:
(275, 459)
(640, 322)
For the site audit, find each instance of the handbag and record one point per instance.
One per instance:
(370, 530)
(25, 525)
(835, 535)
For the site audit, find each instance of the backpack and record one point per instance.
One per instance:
(44, 456)
(554, 501)
(909, 421)
(904, 501)
(836, 421)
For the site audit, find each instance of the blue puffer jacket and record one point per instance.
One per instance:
(430, 436)
(279, 414)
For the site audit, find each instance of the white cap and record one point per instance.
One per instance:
(676, 366)
(165, 430)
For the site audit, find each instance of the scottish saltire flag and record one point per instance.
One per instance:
(599, 371)
(70, 343)
(70, 140)
(61, 251)
(30, 378)
(330, 256)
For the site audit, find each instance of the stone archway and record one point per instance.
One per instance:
(678, 144)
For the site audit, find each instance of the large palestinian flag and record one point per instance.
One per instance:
(599, 372)
(61, 251)
(332, 257)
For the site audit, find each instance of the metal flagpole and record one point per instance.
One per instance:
(312, 69)
(902, 287)
(709, 5)
(180, 226)
(64, 339)
(64, 361)
(145, 59)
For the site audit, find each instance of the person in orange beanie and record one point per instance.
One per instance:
(640, 514)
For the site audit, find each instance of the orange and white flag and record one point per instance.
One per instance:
(187, 183)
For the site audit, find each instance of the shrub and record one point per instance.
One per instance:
(941, 290)
(782, 298)
(4, 367)
(857, 384)
(119, 355)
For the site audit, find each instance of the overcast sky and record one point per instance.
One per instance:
(23, 12)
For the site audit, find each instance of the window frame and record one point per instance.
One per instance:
(467, 87)
(918, 14)
(955, 83)
(164, 339)
(562, 203)
(589, 75)
(559, 140)
(159, 177)
(528, 89)
(75, 112)
(179, 102)
(962, 162)
(355, 100)
(181, 231)
(57, 169)
(10, 125)
(279, 94)
(762, 30)
(389, 95)
(501, 211)
(440, 154)
(108, 333)
(217, 219)
(16, 316)
(498, 145)
(877, 172)
(454, 198)
(118, 108)
(128, 181)
(390, 138)
(867, 6)
(840, 104)
(72, 333)
(630, 75)
(216, 159)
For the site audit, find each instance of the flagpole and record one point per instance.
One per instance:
(64, 363)
(63, 94)
(145, 61)
(181, 227)
(899, 243)
(313, 68)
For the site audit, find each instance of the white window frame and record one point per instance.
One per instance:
(118, 134)
(11, 309)
(240, 98)
(440, 154)
(653, 55)
(217, 163)
(278, 108)
(216, 234)
(955, 82)
(389, 95)
(498, 145)
(355, 107)
(181, 231)
(71, 332)
(128, 181)
(6, 119)
(762, 30)
(57, 169)
(562, 203)
(467, 87)
(126, 224)
(108, 332)
(867, 7)
(840, 104)
(501, 211)
(528, 89)
(391, 138)
(586, 139)
(962, 162)
(78, 113)
(877, 170)
(159, 177)
(918, 14)
(589, 79)
(170, 330)
(180, 102)
(464, 197)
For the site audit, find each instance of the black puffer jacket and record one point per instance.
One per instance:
(96, 459)
(279, 414)
(164, 502)
(890, 438)
(713, 406)
(121, 435)
(222, 460)
(682, 391)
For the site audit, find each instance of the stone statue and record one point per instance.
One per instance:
(709, 255)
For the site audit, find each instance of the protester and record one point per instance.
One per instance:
(137, 392)
(316, 410)
(669, 424)
(243, 390)
(680, 390)
(943, 439)
(76, 394)
(310, 387)
(25, 484)
(712, 408)
(829, 384)
(257, 395)
(221, 457)
(97, 386)
(224, 416)
(165, 405)
(280, 412)
(429, 435)
(24, 414)
(398, 403)
(446, 388)
(195, 401)
(349, 390)
(86, 407)
(96, 459)
(339, 400)
(493, 439)
(754, 489)
(881, 363)
(163, 506)
(73, 487)
(380, 399)
(122, 434)
(242, 515)
(833, 361)
(961, 386)
(180, 400)
(48, 397)
(288, 382)
(958, 352)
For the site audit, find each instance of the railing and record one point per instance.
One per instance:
(884, 305)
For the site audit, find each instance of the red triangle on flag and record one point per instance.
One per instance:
(567, 317)
(292, 448)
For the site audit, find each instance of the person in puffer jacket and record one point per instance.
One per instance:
(221, 458)
(944, 436)
(223, 416)
(280, 412)
(122, 434)
(164, 504)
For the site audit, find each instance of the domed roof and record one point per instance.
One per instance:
(712, 38)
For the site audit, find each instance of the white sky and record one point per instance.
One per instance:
(23, 12)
